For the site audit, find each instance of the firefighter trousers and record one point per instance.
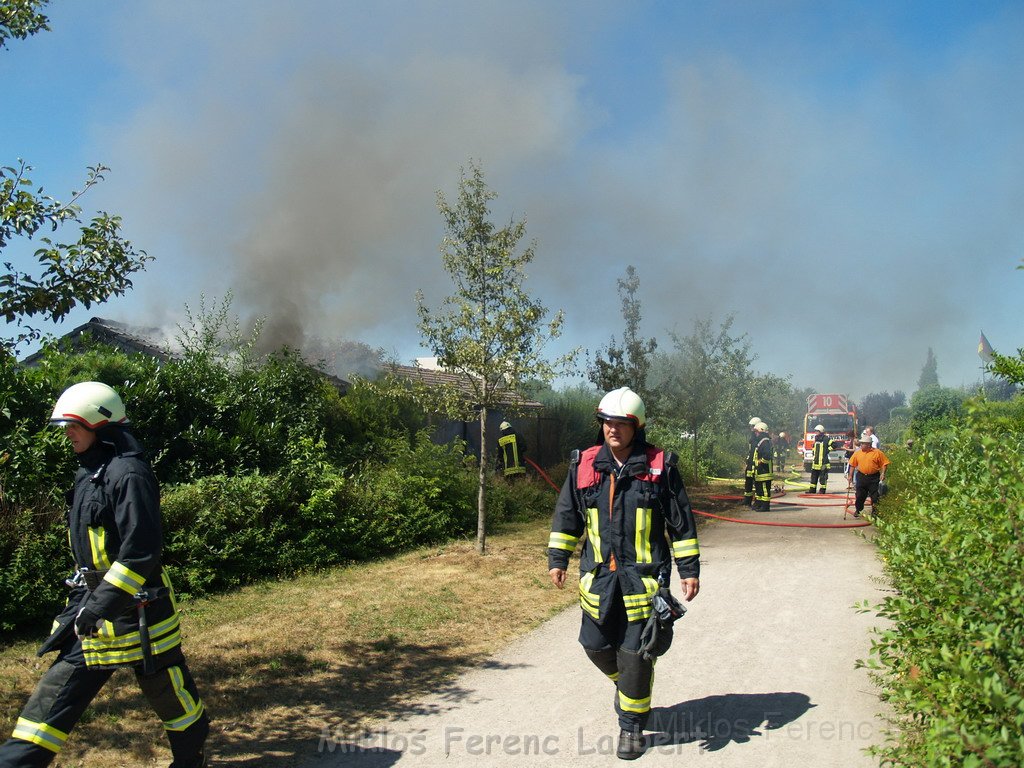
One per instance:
(763, 494)
(614, 648)
(819, 476)
(69, 686)
(748, 485)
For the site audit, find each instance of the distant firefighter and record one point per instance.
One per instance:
(763, 469)
(511, 452)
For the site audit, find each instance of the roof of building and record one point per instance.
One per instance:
(433, 377)
(131, 339)
(120, 335)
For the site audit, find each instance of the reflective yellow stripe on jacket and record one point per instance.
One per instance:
(105, 650)
(509, 444)
(590, 602)
(98, 548)
(642, 541)
(685, 548)
(564, 541)
(638, 607)
(125, 578)
(594, 533)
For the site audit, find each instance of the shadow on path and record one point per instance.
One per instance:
(717, 721)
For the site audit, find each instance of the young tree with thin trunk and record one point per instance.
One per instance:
(490, 330)
(626, 365)
(705, 380)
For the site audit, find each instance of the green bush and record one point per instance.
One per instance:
(522, 500)
(265, 470)
(934, 409)
(222, 532)
(412, 494)
(953, 655)
(34, 550)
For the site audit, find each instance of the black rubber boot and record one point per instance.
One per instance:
(197, 762)
(631, 745)
(821, 490)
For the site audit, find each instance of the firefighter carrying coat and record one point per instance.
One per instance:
(622, 515)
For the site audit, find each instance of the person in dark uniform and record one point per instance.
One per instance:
(626, 500)
(781, 444)
(511, 452)
(763, 476)
(748, 467)
(121, 611)
(820, 464)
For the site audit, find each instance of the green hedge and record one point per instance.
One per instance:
(224, 531)
(953, 655)
(36, 560)
(266, 472)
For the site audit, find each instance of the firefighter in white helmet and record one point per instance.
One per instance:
(781, 443)
(820, 464)
(762, 469)
(748, 467)
(626, 500)
(115, 536)
(511, 452)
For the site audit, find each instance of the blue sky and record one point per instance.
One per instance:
(846, 178)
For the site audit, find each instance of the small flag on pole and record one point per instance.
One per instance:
(984, 349)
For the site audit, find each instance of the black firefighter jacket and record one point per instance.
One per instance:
(114, 529)
(623, 515)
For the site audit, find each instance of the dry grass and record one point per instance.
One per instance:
(279, 663)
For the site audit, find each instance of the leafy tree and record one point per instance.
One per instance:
(875, 408)
(1009, 368)
(706, 379)
(86, 270)
(21, 18)
(930, 372)
(625, 365)
(934, 409)
(490, 330)
(773, 399)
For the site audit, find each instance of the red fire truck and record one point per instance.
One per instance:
(839, 418)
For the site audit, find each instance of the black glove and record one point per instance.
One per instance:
(656, 637)
(85, 622)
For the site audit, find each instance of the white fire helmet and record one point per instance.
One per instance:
(623, 403)
(761, 426)
(90, 404)
(753, 421)
(819, 428)
(504, 425)
(782, 434)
